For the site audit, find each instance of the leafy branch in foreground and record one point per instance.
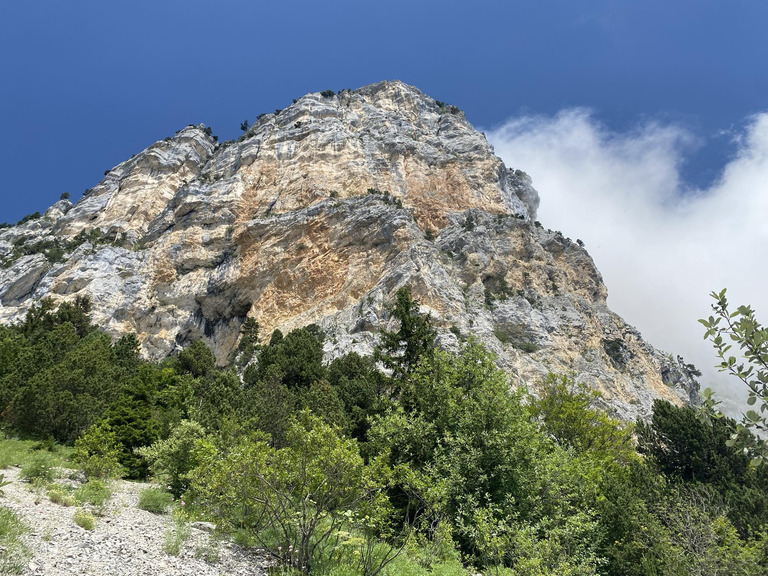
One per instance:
(740, 327)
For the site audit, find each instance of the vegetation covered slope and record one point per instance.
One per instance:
(414, 457)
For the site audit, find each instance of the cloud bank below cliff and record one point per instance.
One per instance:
(661, 245)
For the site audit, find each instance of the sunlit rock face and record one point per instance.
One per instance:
(318, 214)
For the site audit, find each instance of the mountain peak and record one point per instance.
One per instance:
(319, 213)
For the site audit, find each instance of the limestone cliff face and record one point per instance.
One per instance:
(319, 213)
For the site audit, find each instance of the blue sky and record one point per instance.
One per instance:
(644, 124)
(85, 84)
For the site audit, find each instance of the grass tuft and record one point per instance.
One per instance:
(176, 533)
(60, 495)
(84, 520)
(40, 466)
(155, 500)
(13, 553)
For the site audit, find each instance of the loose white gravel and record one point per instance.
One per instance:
(126, 540)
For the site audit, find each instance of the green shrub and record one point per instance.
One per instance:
(252, 484)
(155, 500)
(84, 520)
(517, 336)
(173, 458)
(97, 452)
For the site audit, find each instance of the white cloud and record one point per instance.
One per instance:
(661, 245)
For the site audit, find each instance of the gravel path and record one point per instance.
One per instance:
(126, 540)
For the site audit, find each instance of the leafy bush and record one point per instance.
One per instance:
(568, 412)
(155, 500)
(172, 459)
(741, 327)
(98, 453)
(297, 497)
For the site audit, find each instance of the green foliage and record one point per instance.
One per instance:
(60, 494)
(97, 452)
(568, 414)
(28, 218)
(400, 351)
(21, 453)
(172, 459)
(457, 423)
(176, 533)
(516, 335)
(13, 559)
(742, 329)
(216, 398)
(40, 467)
(84, 520)
(295, 497)
(690, 451)
(196, 360)
(297, 356)
(617, 352)
(62, 373)
(438, 459)
(249, 341)
(53, 248)
(323, 401)
(496, 288)
(685, 447)
(155, 500)
(271, 404)
(359, 386)
(3, 484)
(131, 420)
(94, 492)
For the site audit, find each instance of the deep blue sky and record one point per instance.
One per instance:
(85, 84)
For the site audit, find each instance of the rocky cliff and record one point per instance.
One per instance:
(319, 213)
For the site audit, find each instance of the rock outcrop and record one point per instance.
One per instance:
(319, 213)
